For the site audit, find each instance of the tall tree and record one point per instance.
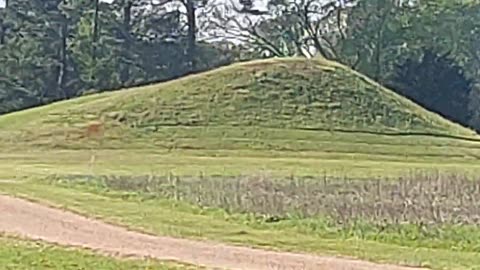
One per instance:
(192, 35)
(286, 27)
(95, 30)
(127, 40)
(437, 83)
(62, 54)
(375, 36)
(57, 49)
(383, 34)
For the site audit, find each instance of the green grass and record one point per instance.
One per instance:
(281, 116)
(228, 163)
(16, 254)
(163, 217)
(285, 116)
(287, 93)
(231, 151)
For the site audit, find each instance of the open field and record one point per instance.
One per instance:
(16, 254)
(276, 152)
(283, 154)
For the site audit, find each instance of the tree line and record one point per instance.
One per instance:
(58, 49)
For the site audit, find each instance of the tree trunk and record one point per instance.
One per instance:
(127, 17)
(95, 32)
(192, 35)
(62, 70)
(379, 43)
(2, 32)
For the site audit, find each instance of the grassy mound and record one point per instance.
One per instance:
(277, 93)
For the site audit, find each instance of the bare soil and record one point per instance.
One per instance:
(26, 219)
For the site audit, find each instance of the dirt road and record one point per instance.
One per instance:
(23, 218)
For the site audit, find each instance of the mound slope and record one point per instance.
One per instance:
(276, 93)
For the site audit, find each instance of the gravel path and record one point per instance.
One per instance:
(34, 221)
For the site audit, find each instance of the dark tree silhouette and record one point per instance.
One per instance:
(436, 82)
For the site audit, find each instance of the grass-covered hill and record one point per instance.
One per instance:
(284, 116)
(289, 94)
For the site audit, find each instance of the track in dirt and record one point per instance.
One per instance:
(34, 221)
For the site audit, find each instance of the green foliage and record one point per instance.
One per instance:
(14, 97)
(58, 49)
(288, 27)
(375, 37)
(435, 82)
(382, 35)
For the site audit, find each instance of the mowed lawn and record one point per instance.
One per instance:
(236, 151)
(17, 254)
(163, 217)
(305, 153)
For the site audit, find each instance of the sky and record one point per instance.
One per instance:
(2, 2)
